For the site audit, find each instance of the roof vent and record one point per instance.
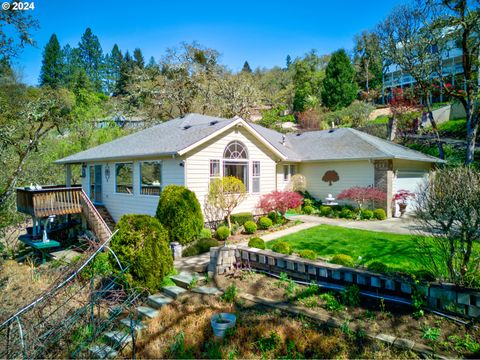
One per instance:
(186, 127)
(213, 122)
(284, 138)
(298, 134)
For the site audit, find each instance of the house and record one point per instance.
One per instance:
(126, 175)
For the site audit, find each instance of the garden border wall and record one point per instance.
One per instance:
(444, 297)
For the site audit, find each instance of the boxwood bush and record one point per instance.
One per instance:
(308, 209)
(265, 223)
(256, 242)
(222, 233)
(276, 218)
(342, 259)
(308, 254)
(206, 233)
(180, 213)
(200, 246)
(326, 210)
(250, 227)
(241, 218)
(142, 242)
(346, 213)
(366, 214)
(282, 247)
(379, 214)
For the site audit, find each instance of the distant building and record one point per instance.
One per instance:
(120, 120)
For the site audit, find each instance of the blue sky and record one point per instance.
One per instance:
(262, 32)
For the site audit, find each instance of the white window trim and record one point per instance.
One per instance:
(140, 178)
(259, 176)
(115, 178)
(220, 170)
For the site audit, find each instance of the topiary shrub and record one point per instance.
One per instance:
(142, 242)
(264, 223)
(366, 214)
(200, 246)
(307, 254)
(276, 218)
(346, 213)
(180, 213)
(282, 247)
(241, 218)
(379, 214)
(342, 259)
(325, 210)
(256, 242)
(222, 233)
(250, 227)
(308, 209)
(205, 233)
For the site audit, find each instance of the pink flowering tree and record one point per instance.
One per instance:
(280, 201)
(362, 195)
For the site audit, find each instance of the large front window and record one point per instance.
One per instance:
(150, 177)
(124, 178)
(235, 161)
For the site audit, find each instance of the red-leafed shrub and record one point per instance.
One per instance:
(403, 195)
(280, 201)
(362, 195)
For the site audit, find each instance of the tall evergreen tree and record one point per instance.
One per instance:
(91, 58)
(138, 58)
(288, 62)
(51, 73)
(113, 62)
(126, 69)
(246, 68)
(339, 87)
(71, 64)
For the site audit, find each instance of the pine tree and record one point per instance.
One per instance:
(113, 62)
(71, 61)
(339, 87)
(91, 58)
(152, 62)
(288, 62)
(126, 69)
(138, 58)
(51, 73)
(246, 68)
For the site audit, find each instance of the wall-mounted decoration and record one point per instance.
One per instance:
(330, 176)
(107, 172)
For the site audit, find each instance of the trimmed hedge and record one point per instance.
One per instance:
(200, 246)
(256, 242)
(282, 247)
(265, 223)
(366, 214)
(346, 213)
(205, 233)
(222, 233)
(307, 254)
(241, 218)
(180, 213)
(250, 227)
(379, 214)
(308, 209)
(142, 242)
(342, 259)
(326, 210)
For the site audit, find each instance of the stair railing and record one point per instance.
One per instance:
(94, 218)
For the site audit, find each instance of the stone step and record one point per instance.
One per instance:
(185, 278)
(207, 290)
(158, 300)
(118, 338)
(137, 324)
(173, 291)
(102, 352)
(146, 312)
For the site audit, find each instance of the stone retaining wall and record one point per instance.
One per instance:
(444, 297)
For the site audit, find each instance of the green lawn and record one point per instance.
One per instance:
(395, 250)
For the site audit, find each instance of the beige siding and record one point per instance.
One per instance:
(409, 166)
(120, 204)
(351, 173)
(197, 166)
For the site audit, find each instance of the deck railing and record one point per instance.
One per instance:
(49, 200)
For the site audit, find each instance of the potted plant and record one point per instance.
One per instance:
(401, 198)
(222, 322)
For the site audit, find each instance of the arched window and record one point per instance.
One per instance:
(235, 150)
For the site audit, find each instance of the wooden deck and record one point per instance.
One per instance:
(50, 200)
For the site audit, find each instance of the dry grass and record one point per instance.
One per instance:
(189, 319)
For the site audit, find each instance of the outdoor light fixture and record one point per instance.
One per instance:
(84, 170)
(107, 172)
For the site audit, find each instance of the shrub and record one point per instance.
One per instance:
(346, 213)
(308, 210)
(264, 223)
(325, 210)
(250, 227)
(242, 218)
(307, 202)
(366, 214)
(200, 246)
(257, 243)
(280, 201)
(307, 254)
(331, 302)
(351, 295)
(377, 266)
(142, 243)
(180, 213)
(223, 232)
(276, 217)
(205, 233)
(230, 294)
(342, 259)
(362, 195)
(282, 247)
(379, 214)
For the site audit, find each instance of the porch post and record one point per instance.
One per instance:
(68, 175)
(383, 178)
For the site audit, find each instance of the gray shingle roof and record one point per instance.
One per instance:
(175, 135)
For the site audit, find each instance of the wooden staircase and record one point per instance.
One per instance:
(105, 214)
(94, 219)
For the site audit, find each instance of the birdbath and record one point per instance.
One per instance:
(330, 200)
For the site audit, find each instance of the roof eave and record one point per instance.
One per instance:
(110, 158)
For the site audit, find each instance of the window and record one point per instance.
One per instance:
(236, 163)
(285, 172)
(235, 150)
(289, 171)
(214, 168)
(293, 170)
(124, 178)
(151, 178)
(256, 176)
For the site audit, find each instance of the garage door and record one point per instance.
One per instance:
(411, 181)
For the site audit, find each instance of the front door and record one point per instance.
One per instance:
(96, 184)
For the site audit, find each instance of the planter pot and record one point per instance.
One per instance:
(222, 322)
(402, 207)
